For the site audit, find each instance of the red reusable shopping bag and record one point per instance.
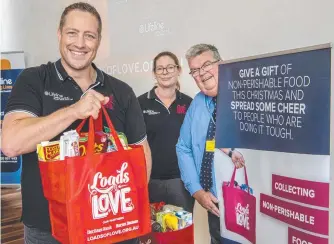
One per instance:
(184, 236)
(240, 209)
(98, 198)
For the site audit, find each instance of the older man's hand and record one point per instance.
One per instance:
(207, 201)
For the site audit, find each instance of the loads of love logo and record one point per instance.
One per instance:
(242, 214)
(110, 194)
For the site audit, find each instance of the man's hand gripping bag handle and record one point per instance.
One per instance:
(93, 125)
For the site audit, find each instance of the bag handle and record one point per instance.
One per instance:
(98, 123)
(233, 177)
(95, 124)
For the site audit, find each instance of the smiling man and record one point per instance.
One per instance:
(195, 147)
(52, 98)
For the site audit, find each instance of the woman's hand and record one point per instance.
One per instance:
(238, 159)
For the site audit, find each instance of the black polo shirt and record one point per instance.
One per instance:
(163, 128)
(43, 90)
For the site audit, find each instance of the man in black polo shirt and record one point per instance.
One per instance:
(53, 98)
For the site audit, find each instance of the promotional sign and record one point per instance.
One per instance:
(274, 110)
(12, 63)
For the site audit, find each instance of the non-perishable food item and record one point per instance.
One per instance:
(159, 216)
(73, 144)
(173, 221)
(104, 142)
(156, 227)
(171, 208)
(69, 144)
(122, 137)
(100, 145)
(155, 208)
(48, 151)
(153, 213)
(170, 222)
(161, 219)
(185, 219)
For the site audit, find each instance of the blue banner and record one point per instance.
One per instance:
(10, 167)
(279, 103)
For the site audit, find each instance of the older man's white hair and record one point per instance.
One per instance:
(198, 49)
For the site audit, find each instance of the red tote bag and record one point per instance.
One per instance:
(98, 198)
(184, 236)
(240, 209)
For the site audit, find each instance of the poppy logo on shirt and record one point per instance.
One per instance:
(181, 109)
(110, 104)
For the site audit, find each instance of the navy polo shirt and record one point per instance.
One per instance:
(42, 90)
(163, 128)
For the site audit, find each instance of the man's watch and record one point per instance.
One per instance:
(230, 152)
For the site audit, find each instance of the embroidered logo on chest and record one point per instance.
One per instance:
(150, 112)
(57, 97)
(110, 104)
(181, 109)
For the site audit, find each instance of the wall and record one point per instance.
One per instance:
(135, 31)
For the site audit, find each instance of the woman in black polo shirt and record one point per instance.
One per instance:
(164, 108)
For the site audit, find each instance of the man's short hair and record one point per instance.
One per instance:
(198, 49)
(85, 7)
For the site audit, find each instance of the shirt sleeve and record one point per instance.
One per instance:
(135, 128)
(26, 94)
(185, 154)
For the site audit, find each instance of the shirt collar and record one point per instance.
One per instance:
(210, 98)
(63, 76)
(151, 94)
(178, 94)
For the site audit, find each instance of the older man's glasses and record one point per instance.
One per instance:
(207, 66)
(169, 69)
